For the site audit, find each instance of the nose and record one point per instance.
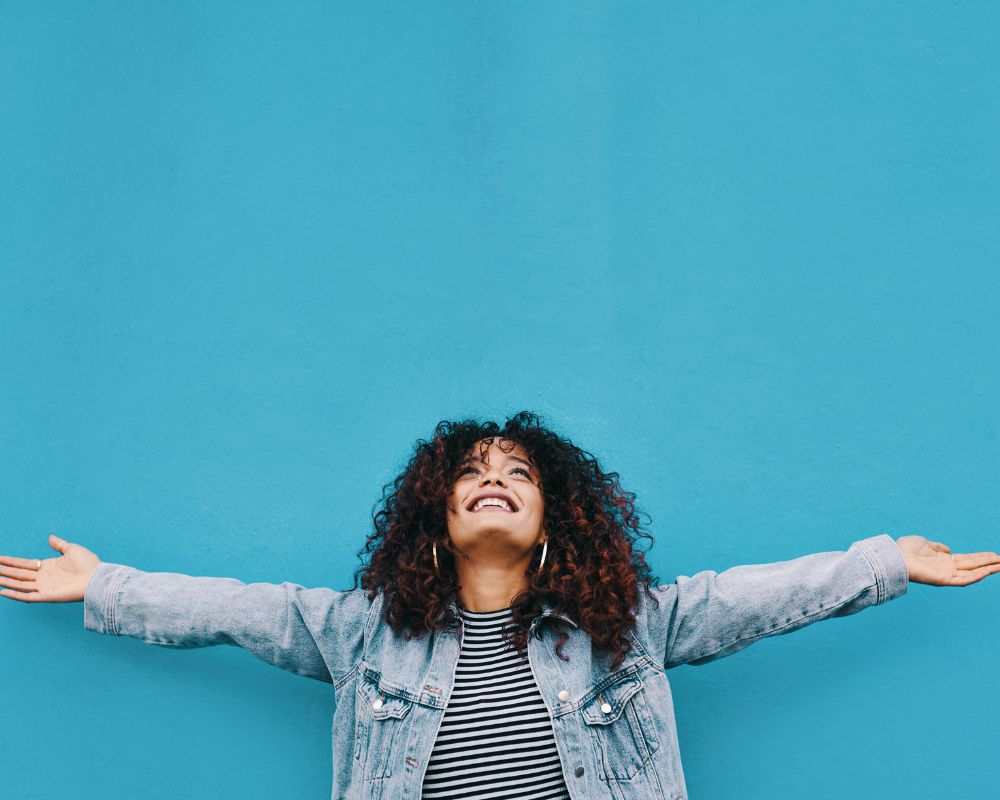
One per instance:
(486, 477)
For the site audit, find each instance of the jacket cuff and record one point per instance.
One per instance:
(100, 598)
(892, 578)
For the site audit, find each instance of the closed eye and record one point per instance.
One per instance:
(522, 470)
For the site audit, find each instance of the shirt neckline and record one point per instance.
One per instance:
(486, 615)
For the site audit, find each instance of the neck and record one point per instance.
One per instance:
(489, 587)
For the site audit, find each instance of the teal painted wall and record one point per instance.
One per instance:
(745, 253)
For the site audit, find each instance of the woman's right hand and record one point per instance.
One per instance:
(59, 580)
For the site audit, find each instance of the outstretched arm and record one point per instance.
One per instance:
(711, 615)
(317, 633)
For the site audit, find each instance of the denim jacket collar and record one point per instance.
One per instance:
(547, 611)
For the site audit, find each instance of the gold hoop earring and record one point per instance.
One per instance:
(434, 552)
(545, 549)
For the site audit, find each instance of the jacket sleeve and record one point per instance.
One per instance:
(317, 633)
(711, 615)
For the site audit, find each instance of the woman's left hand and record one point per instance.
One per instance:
(933, 563)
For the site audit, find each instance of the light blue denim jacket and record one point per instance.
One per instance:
(391, 694)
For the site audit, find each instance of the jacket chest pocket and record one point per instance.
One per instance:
(380, 723)
(621, 729)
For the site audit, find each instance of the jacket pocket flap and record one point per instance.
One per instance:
(381, 702)
(609, 703)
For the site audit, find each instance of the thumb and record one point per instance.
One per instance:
(58, 544)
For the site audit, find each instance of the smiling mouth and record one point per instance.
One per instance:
(492, 504)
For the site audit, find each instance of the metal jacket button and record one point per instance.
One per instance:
(377, 704)
(578, 772)
(564, 695)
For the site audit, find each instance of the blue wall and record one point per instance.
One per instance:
(745, 253)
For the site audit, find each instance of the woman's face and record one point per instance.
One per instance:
(506, 527)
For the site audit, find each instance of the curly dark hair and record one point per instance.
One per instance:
(593, 570)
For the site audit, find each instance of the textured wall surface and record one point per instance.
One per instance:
(744, 253)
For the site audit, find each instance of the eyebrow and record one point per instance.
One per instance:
(509, 458)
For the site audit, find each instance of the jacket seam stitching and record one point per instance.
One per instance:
(339, 684)
(376, 607)
(876, 565)
(369, 619)
(114, 594)
(634, 636)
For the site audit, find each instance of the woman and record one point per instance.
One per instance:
(506, 639)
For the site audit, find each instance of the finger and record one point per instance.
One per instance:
(22, 574)
(24, 597)
(58, 544)
(23, 563)
(975, 575)
(975, 560)
(23, 586)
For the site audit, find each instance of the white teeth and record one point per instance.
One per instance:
(492, 501)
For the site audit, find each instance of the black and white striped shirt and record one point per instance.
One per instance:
(495, 740)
